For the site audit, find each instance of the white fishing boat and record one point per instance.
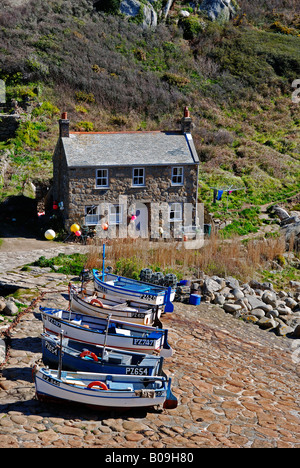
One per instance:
(106, 331)
(104, 391)
(90, 303)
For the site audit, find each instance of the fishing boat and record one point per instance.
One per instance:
(77, 357)
(106, 331)
(103, 391)
(110, 285)
(88, 302)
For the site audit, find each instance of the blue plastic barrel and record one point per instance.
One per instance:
(195, 299)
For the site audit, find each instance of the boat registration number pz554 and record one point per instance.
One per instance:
(143, 342)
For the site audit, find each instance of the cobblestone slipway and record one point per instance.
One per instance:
(237, 386)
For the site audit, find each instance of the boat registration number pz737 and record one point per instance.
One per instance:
(136, 371)
(143, 342)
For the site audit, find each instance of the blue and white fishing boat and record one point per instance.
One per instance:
(75, 356)
(110, 285)
(106, 332)
(103, 391)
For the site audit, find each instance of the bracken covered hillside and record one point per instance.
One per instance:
(109, 72)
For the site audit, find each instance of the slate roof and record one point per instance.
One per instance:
(129, 149)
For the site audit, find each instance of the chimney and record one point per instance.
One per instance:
(186, 121)
(64, 125)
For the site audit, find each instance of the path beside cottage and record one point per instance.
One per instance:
(237, 386)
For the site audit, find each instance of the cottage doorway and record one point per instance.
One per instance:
(139, 227)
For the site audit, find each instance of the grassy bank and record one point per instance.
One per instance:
(262, 259)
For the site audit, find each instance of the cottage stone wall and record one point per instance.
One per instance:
(76, 187)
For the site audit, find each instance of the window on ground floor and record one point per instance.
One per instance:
(115, 214)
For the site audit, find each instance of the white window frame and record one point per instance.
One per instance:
(91, 218)
(177, 179)
(104, 177)
(175, 208)
(141, 178)
(114, 217)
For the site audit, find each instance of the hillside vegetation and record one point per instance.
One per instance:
(109, 73)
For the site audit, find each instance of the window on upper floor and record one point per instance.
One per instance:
(138, 176)
(101, 178)
(177, 175)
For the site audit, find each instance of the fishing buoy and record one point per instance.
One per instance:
(75, 227)
(105, 226)
(78, 233)
(133, 218)
(50, 234)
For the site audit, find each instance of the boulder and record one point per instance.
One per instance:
(290, 302)
(284, 310)
(218, 10)
(269, 297)
(280, 212)
(132, 8)
(232, 282)
(254, 302)
(267, 322)
(237, 293)
(231, 308)
(291, 233)
(2, 304)
(10, 309)
(259, 313)
(283, 329)
(219, 298)
(211, 286)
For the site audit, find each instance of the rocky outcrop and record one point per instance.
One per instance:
(253, 302)
(144, 12)
(289, 226)
(218, 10)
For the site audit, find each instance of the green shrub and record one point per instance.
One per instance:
(82, 96)
(46, 108)
(28, 134)
(175, 80)
(68, 264)
(84, 126)
(129, 267)
(192, 26)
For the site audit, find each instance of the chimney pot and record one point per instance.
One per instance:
(64, 126)
(186, 112)
(186, 121)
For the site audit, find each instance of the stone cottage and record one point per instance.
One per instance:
(127, 183)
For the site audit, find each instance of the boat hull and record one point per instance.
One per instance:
(132, 314)
(91, 331)
(128, 393)
(97, 360)
(124, 289)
